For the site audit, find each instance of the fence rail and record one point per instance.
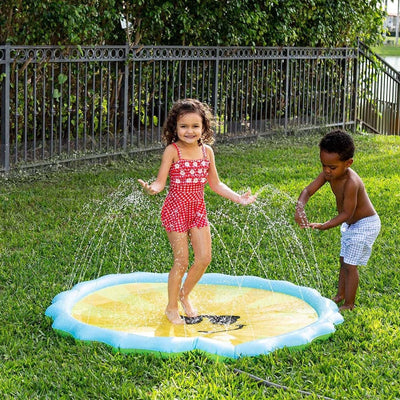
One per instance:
(59, 104)
(379, 95)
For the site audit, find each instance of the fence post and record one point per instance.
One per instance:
(215, 84)
(356, 75)
(125, 98)
(287, 89)
(5, 111)
(397, 111)
(344, 88)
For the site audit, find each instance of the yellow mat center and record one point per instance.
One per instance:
(138, 308)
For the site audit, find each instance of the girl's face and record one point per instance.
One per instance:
(332, 166)
(189, 128)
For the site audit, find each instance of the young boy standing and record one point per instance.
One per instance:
(360, 224)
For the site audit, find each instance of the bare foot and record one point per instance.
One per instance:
(174, 317)
(338, 299)
(190, 311)
(346, 307)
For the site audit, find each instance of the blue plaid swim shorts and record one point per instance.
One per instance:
(358, 238)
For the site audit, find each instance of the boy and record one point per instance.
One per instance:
(360, 224)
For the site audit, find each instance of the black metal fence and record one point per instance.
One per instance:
(379, 94)
(61, 104)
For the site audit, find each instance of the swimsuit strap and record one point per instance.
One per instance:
(204, 151)
(178, 150)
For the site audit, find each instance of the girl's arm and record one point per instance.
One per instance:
(220, 188)
(159, 184)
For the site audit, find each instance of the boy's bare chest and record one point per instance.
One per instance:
(338, 189)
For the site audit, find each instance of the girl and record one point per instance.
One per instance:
(189, 161)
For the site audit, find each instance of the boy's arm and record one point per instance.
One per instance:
(300, 215)
(347, 209)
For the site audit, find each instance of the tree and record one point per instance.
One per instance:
(327, 23)
(45, 22)
(249, 22)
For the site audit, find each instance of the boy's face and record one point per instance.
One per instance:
(332, 167)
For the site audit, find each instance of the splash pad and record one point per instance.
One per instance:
(239, 315)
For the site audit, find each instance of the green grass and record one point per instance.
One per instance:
(59, 228)
(387, 50)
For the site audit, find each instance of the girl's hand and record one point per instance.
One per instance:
(149, 189)
(247, 198)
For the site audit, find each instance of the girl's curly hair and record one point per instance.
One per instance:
(186, 106)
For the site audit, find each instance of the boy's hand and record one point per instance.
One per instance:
(301, 218)
(316, 225)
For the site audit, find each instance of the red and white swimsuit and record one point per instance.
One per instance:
(184, 207)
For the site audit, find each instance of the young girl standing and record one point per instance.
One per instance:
(189, 161)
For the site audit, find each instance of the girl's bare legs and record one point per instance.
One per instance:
(351, 286)
(180, 249)
(341, 285)
(201, 244)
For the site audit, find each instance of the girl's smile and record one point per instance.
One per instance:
(189, 128)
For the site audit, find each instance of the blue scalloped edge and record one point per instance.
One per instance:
(62, 304)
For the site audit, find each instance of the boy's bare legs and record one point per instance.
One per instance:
(351, 286)
(201, 244)
(341, 284)
(179, 244)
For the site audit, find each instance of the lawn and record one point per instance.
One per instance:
(387, 50)
(67, 226)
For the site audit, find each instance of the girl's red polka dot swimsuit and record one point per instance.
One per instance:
(184, 207)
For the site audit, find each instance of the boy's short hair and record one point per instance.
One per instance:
(339, 142)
